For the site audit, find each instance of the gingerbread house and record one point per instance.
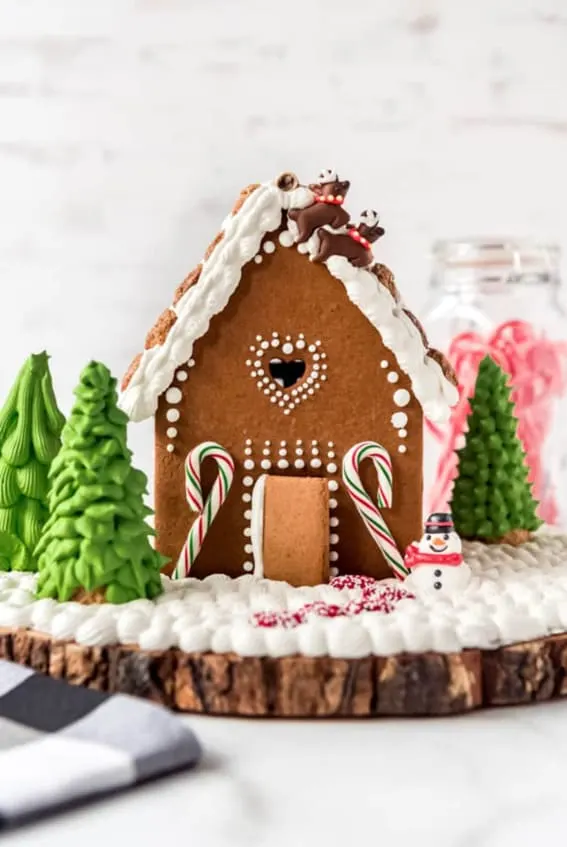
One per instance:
(287, 345)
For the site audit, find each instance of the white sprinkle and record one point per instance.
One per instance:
(402, 433)
(248, 547)
(315, 463)
(393, 376)
(248, 566)
(331, 468)
(171, 432)
(402, 448)
(334, 539)
(249, 464)
(333, 485)
(275, 342)
(399, 419)
(170, 448)
(246, 497)
(334, 571)
(248, 441)
(173, 395)
(384, 363)
(299, 463)
(247, 481)
(283, 464)
(287, 348)
(181, 375)
(269, 246)
(265, 464)
(333, 556)
(247, 532)
(300, 344)
(333, 503)
(258, 259)
(248, 514)
(401, 397)
(173, 415)
(334, 522)
(191, 363)
(285, 238)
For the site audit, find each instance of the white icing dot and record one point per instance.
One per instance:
(279, 393)
(253, 373)
(393, 376)
(173, 415)
(286, 411)
(383, 364)
(257, 259)
(330, 455)
(312, 348)
(248, 363)
(323, 377)
(170, 448)
(181, 375)
(247, 532)
(315, 463)
(334, 571)
(248, 441)
(171, 432)
(258, 338)
(330, 444)
(334, 522)
(402, 448)
(266, 391)
(333, 556)
(275, 342)
(331, 468)
(267, 442)
(248, 514)
(248, 547)
(333, 503)
(401, 397)
(334, 539)
(246, 497)
(247, 481)
(191, 362)
(287, 348)
(299, 451)
(265, 344)
(285, 238)
(265, 452)
(259, 384)
(316, 357)
(314, 442)
(300, 344)
(248, 566)
(402, 433)
(299, 463)
(173, 395)
(269, 246)
(299, 441)
(283, 452)
(265, 464)
(311, 391)
(249, 464)
(275, 334)
(399, 419)
(283, 464)
(283, 443)
(333, 485)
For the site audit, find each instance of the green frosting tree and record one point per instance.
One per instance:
(95, 544)
(30, 438)
(492, 498)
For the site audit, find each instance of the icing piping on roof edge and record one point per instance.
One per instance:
(242, 234)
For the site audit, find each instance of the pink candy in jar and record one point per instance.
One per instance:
(500, 297)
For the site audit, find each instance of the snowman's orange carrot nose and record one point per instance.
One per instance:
(438, 542)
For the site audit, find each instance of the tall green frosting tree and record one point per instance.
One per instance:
(492, 498)
(30, 430)
(95, 545)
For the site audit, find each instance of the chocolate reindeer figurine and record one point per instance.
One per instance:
(355, 245)
(327, 208)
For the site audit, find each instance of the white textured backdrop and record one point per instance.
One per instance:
(127, 129)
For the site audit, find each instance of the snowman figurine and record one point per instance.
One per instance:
(436, 562)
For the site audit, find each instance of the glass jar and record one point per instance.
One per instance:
(501, 297)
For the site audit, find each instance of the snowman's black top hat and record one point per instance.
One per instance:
(439, 522)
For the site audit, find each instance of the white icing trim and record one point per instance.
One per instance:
(515, 594)
(257, 524)
(221, 272)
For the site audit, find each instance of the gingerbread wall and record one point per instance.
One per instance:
(350, 399)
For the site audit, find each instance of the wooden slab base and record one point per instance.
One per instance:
(302, 687)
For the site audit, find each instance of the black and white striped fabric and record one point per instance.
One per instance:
(61, 744)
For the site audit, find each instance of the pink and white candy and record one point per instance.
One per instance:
(368, 510)
(207, 509)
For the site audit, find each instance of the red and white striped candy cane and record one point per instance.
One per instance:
(206, 509)
(367, 509)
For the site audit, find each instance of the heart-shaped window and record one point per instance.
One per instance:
(287, 370)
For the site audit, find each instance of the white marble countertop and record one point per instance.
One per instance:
(490, 779)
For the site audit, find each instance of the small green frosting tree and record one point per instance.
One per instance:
(492, 498)
(30, 438)
(95, 545)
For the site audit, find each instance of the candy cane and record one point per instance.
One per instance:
(368, 511)
(207, 509)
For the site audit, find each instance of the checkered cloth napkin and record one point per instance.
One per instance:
(60, 744)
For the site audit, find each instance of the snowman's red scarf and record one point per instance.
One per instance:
(415, 557)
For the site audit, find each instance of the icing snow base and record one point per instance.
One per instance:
(516, 594)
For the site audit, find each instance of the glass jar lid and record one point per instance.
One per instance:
(463, 262)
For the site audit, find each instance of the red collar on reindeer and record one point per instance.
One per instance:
(356, 236)
(330, 199)
(414, 558)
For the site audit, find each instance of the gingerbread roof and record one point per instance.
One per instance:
(207, 289)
